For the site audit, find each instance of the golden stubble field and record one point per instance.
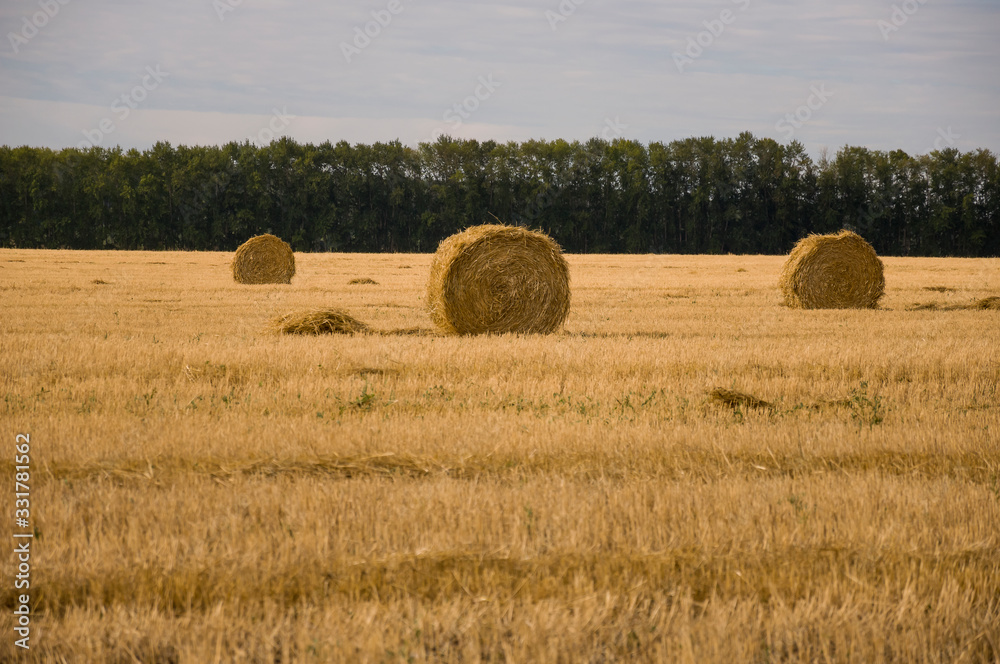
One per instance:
(205, 491)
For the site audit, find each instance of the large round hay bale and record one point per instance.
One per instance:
(264, 259)
(839, 271)
(495, 278)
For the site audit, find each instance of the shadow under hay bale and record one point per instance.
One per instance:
(839, 271)
(264, 259)
(497, 279)
(734, 399)
(318, 321)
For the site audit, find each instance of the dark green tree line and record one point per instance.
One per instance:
(698, 195)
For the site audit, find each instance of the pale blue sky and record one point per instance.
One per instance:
(911, 75)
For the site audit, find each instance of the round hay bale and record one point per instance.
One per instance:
(839, 271)
(264, 259)
(496, 279)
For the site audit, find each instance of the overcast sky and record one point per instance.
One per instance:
(915, 75)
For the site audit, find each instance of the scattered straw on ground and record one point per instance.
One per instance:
(335, 321)
(264, 259)
(735, 399)
(839, 271)
(363, 280)
(991, 303)
(495, 279)
(407, 332)
(318, 321)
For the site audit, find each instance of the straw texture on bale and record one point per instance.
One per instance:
(495, 279)
(264, 259)
(318, 321)
(839, 271)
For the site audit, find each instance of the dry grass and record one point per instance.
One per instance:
(363, 281)
(838, 271)
(205, 491)
(498, 279)
(263, 259)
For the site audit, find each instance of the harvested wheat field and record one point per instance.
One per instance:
(687, 471)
